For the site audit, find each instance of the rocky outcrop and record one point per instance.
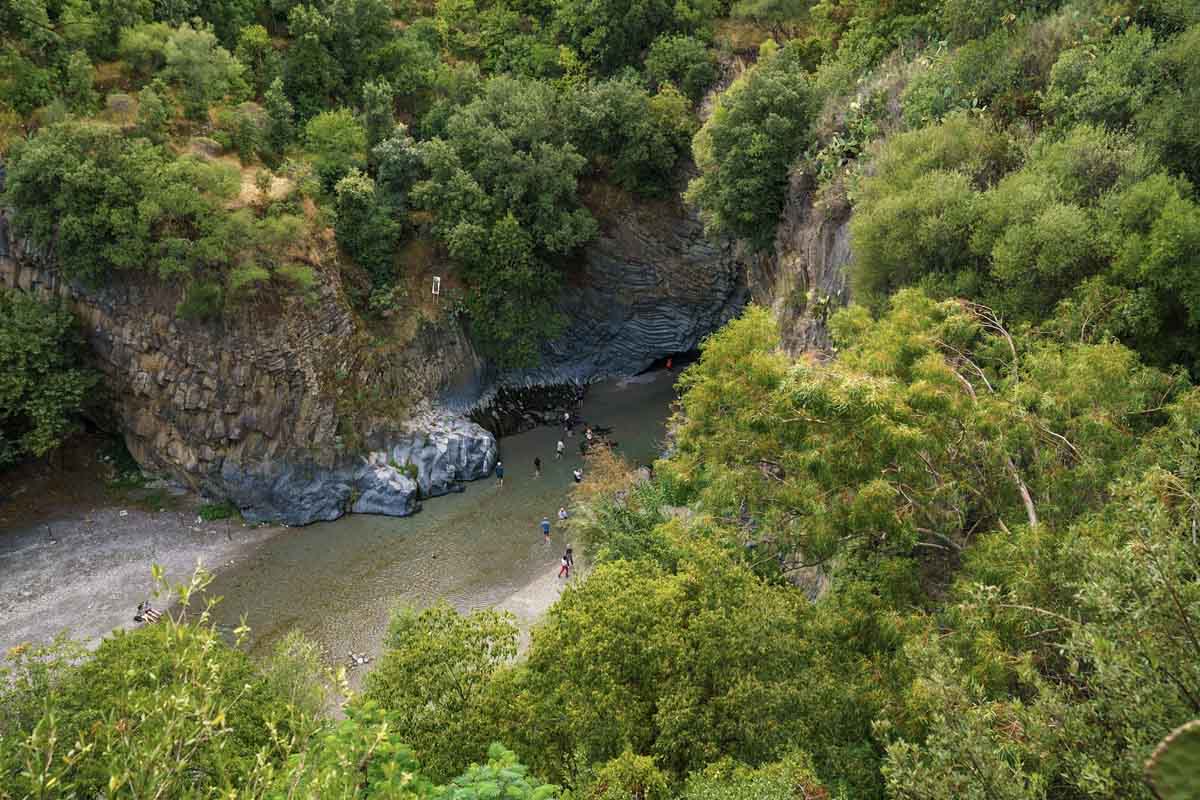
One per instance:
(652, 285)
(803, 280)
(250, 408)
(264, 407)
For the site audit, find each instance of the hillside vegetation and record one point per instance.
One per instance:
(957, 559)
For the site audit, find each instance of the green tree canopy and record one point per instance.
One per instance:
(745, 149)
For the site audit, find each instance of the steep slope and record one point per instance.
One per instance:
(288, 411)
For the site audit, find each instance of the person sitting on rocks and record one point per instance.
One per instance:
(562, 512)
(578, 475)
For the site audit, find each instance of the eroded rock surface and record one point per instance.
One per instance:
(251, 408)
(652, 285)
(803, 280)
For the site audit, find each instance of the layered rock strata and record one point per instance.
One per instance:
(251, 408)
(650, 286)
(803, 279)
(246, 408)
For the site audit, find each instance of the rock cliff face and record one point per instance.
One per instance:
(247, 408)
(251, 408)
(803, 280)
(652, 285)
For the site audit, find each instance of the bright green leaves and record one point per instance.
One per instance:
(681, 666)
(434, 681)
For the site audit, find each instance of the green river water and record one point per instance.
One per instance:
(337, 582)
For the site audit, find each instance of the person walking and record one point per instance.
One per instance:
(537, 467)
(558, 450)
(568, 561)
(499, 473)
(567, 422)
(546, 530)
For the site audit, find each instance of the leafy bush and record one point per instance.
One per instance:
(610, 34)
(337, 143)
(682, 60)
(42, 382)
(433, 677)
(759, 127)
(366, 228)
(211, 512)
(634, 137)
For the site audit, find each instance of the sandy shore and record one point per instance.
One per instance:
(86, 571)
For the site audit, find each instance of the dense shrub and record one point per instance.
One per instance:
(42, 382)
(759, 127)
(684, 61)
(634, 137)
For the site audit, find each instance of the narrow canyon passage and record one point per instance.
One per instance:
(337, 582)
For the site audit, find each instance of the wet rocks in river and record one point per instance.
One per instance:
(431, 460)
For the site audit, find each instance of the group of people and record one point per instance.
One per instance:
(568, 558)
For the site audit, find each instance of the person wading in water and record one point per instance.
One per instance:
(546, 530)
(537, 467)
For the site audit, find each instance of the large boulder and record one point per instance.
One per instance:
(383, 489)
(445, 450)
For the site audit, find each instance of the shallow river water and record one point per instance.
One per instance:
(337, 582)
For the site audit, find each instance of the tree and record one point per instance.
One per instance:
(433, 678)
(310, 72)
(144, 46)
(204, 71)
(634, 137)
(678, 666)
(193, 716)
(379, 114)
(78, 87)
(280, 118)
(397, 167)
(257, 54)
(337, 143)
(684, 61)
(610, 34)
(154, 114)
(366, 228)
(759, 126)
(42, 382)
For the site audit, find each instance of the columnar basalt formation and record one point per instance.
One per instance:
(804, 279)
(251, 407)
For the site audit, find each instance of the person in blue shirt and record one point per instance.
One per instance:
(546, 530)
(499, 473)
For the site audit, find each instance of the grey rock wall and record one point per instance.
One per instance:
(804, 279)
(652, 285)
(247, 408)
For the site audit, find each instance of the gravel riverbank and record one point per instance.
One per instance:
(85, 572)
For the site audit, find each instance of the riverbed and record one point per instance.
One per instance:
(338, 582)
